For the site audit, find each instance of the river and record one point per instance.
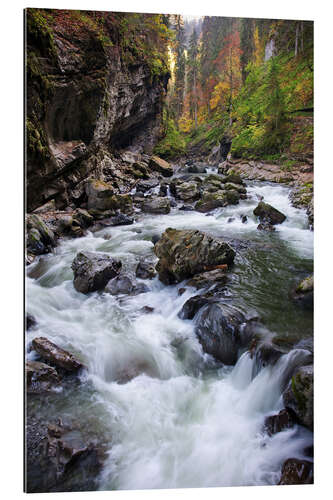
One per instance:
(184, 420)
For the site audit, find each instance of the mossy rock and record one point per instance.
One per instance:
(267, 213)
(210, 201)
(298, 397)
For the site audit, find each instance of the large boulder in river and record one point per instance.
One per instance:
(161, 166)
(159, 205)
(40, 377)
(187, 191)
(267, 213)
(93, 270)
(184, 253)
(298, 397)
(56, 355)
(210, 201)
(40, 238)
(101, 196)
(218, 328)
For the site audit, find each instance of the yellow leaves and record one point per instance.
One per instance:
(257, 47)
(185, 124)
(220, 94)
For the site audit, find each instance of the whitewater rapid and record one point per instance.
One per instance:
(169, 414)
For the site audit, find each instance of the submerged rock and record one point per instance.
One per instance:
(265, 226)
(208, 279)
(184, 253)
(125, 284)
(93, 270)
(56, 355)
(298, 397)
(218, 328)
(40, 377)
(159, 205)
(30, 321)
(295, 471)
(302, 295)
(161, 166)
(145, 270)
(279, 422)
(193, 304)
(60, 459)
(267, 213)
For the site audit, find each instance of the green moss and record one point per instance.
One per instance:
(36, 140)
(172, 144)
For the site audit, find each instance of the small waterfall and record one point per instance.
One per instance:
(211, 170)
(269, 49)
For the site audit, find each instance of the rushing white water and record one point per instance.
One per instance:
(180, 419)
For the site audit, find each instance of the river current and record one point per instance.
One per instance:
(167, 413)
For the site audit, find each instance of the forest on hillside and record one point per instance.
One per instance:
(245, 80)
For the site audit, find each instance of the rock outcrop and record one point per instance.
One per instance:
(161, 166)
(93, 270)
(184, 253)
(113, 108)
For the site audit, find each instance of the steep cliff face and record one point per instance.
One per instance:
(93, 103)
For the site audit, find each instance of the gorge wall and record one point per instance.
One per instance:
(95, 90)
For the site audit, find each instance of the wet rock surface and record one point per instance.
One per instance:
(302, 295)
(184, 253)
(279, 422)
(125, 284)
(157, 205)
(40, 377)
(93, 270)
(295, 471)
(55, 355)
(218, 328)
(298, 397)
(59, 458)
(209, 279)
(268, 214)
(145, 270)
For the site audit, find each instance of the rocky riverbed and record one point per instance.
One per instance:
(169, 335)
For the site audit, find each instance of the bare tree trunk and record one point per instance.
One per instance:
(296, 41)
(302, 36)
(195, 100)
